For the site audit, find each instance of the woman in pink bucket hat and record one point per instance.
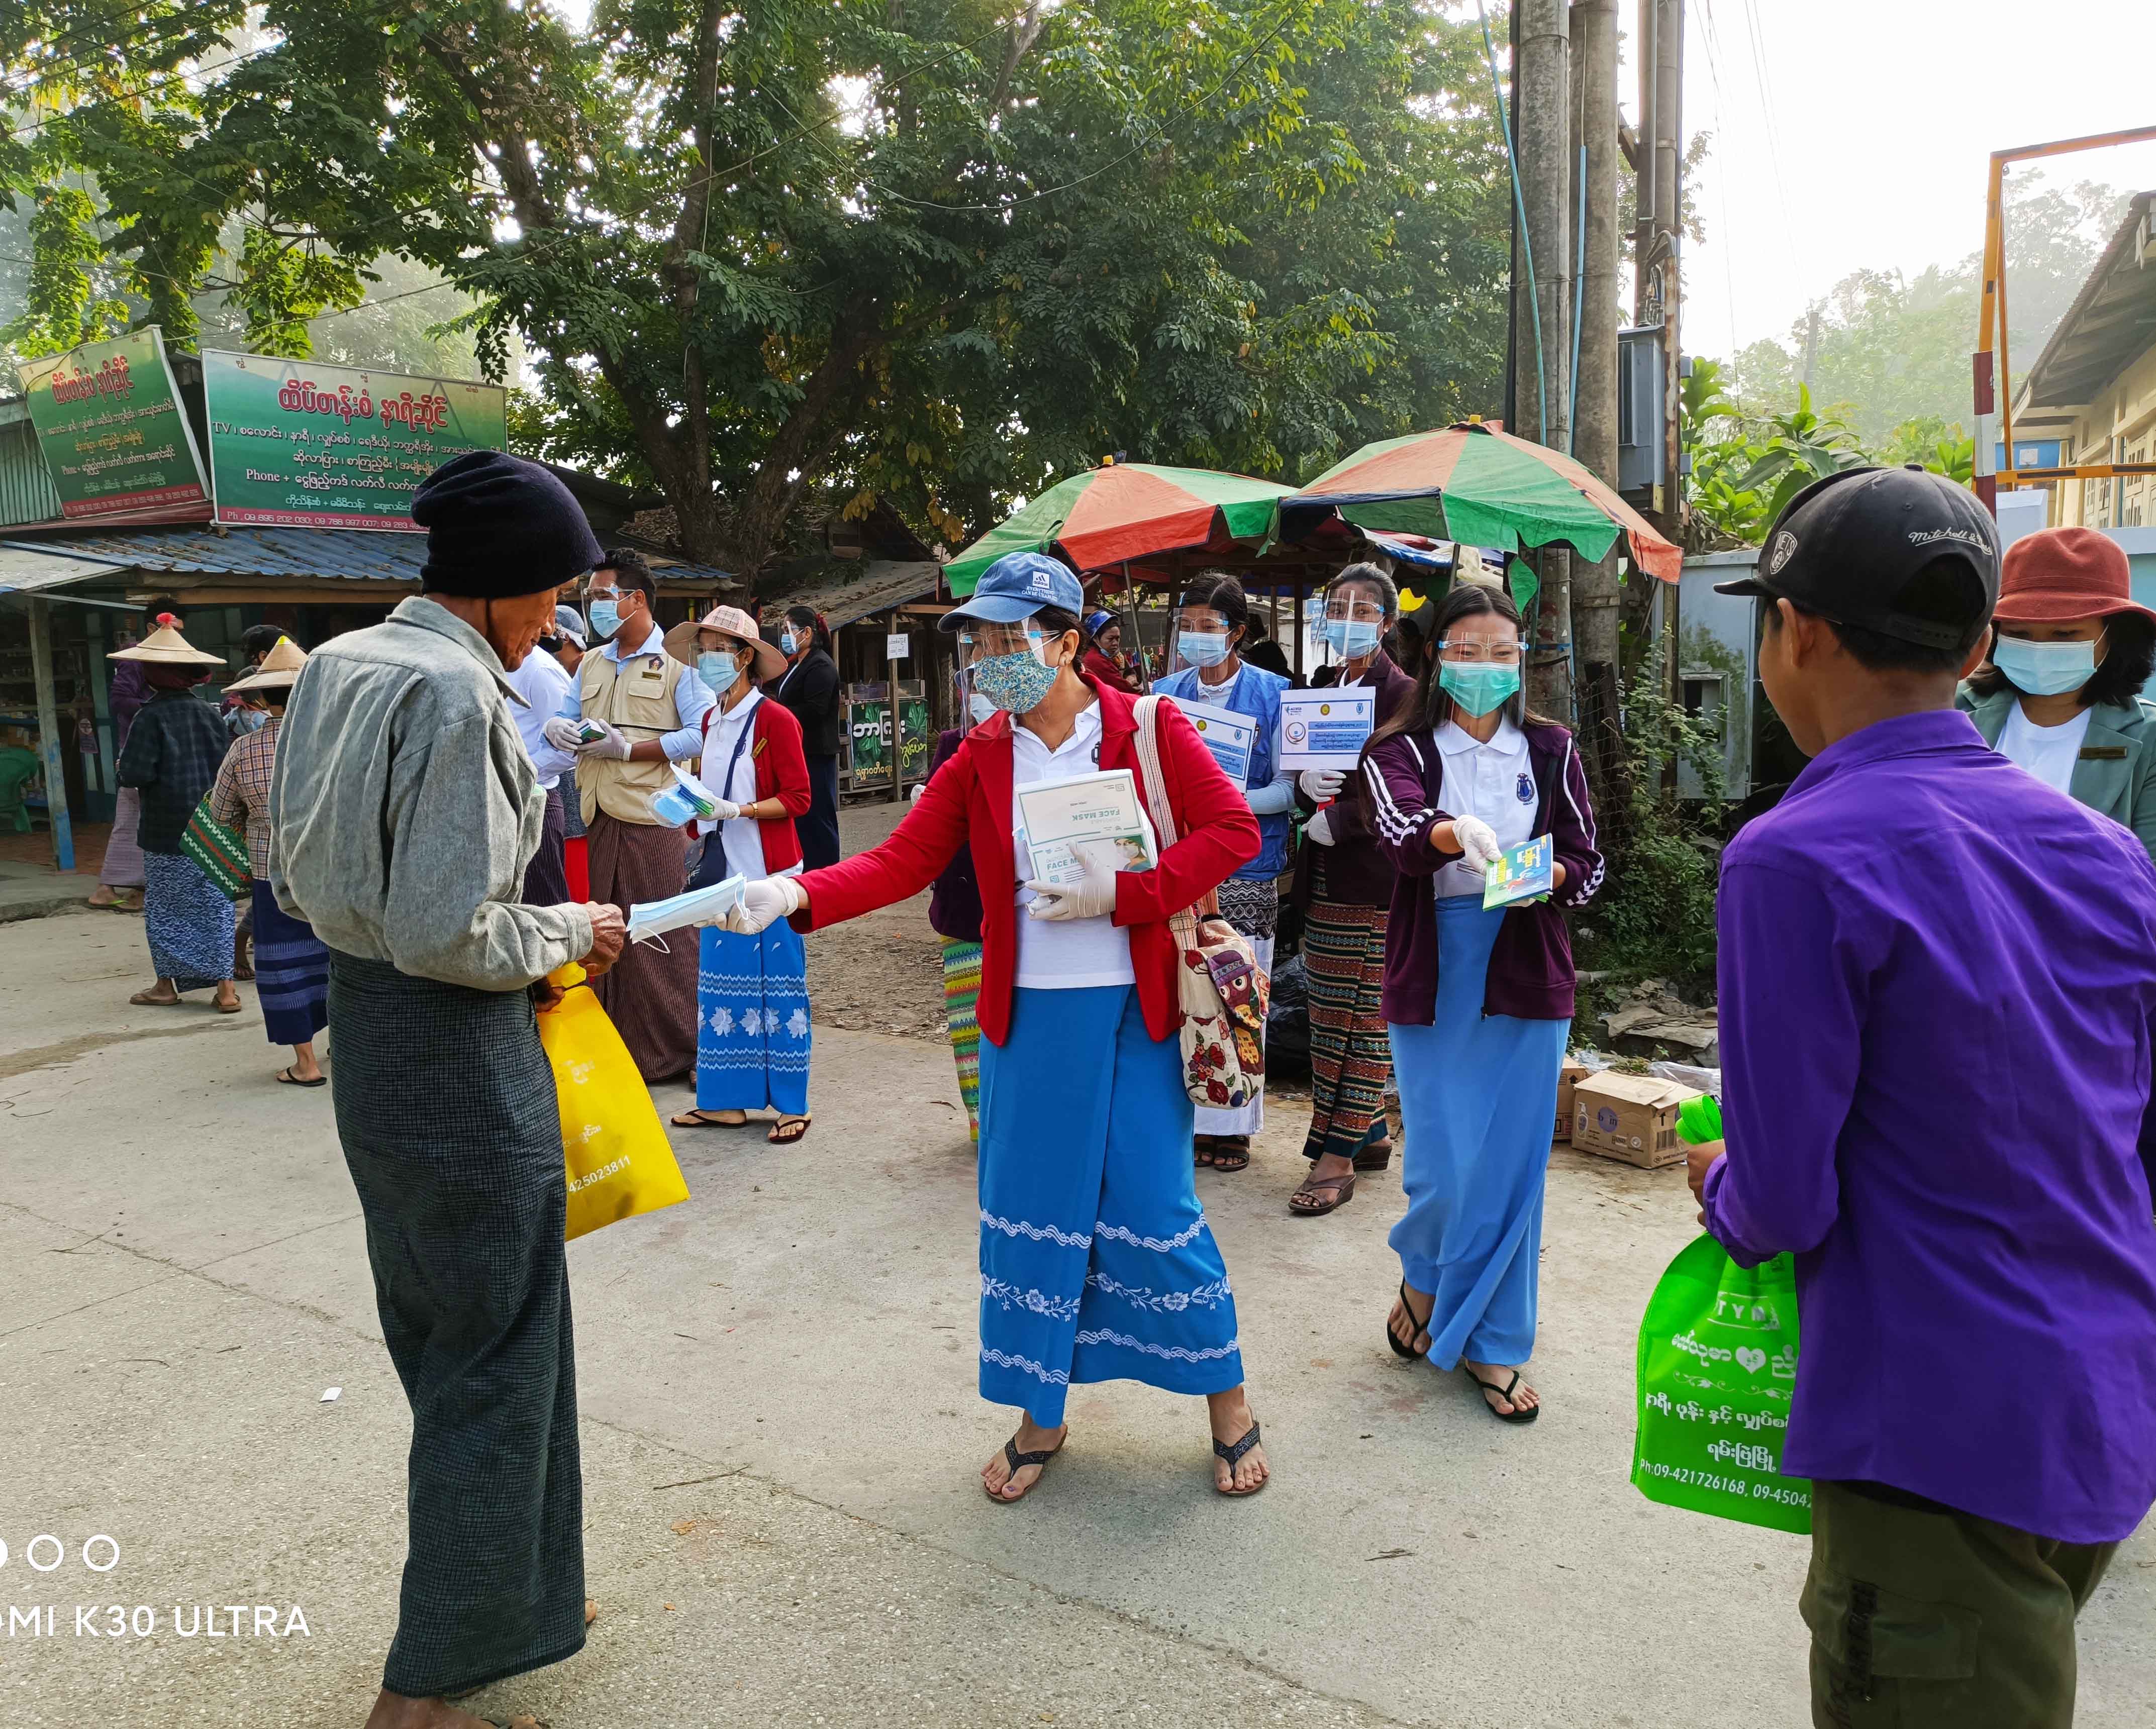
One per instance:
(2061, 693)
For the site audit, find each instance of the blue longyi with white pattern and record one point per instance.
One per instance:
(1096, 1262)
(752, 1028)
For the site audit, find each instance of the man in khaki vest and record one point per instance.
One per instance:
(651, 709)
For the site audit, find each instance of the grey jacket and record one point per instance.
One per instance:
(2115, 774)
(403, 809)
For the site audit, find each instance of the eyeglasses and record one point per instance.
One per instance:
(1483, 654)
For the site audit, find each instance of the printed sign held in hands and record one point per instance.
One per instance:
(1231, 736)
(1325, 728)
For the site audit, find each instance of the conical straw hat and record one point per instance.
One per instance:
(280, 666)
(166, 647)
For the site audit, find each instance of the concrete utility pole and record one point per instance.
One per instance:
(1595, 587)
(1543, 122)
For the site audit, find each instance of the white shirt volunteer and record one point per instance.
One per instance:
(1061, 954)
(1495, 781)
(2048, 752)
(544, 683)
(743, 837)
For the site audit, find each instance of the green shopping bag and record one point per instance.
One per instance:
(1718, 1368)
(221, 850)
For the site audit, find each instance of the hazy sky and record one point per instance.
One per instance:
(1857, 133)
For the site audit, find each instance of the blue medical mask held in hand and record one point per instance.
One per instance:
(606, 618)
(1352, 639)
(1476, 685)
(1202, 648)
(719, 671)
(2044, 668)
(1015, 683)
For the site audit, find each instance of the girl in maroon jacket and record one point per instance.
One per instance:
(1096, 1261)
(752, 1034)
(1477, 1003)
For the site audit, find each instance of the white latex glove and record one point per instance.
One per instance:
(1477, 841)
(609, 745)
(1321, 783)
(560, 732)
(914, 797)
(1086, 900)
(763, 903)
(1318, 830)
(724, 810)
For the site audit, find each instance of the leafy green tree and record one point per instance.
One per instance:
(938, 252)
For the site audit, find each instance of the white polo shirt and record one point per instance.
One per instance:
(1061, 954)
(1495, 781)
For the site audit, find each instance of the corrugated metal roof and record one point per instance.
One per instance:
(26, 484)
(878, 584)
(29, 573)
(357, 554)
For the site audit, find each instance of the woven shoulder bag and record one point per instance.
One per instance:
(1223, 992)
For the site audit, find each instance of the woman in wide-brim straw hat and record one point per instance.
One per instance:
(171, 758)
(752, 1028)
(2060, 694)
(291, 963)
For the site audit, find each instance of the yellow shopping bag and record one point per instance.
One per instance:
(613, 1144)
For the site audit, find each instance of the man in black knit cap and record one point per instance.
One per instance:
(403, 811)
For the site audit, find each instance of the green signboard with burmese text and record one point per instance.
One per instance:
(109, 428)
(297, 445)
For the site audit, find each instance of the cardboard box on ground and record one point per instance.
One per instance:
(1631, 1117)
(1568, 1077)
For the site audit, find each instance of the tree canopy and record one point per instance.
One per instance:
(936, 251)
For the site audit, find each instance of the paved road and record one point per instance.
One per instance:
(781, 1434)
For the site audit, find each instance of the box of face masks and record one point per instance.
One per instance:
(1632, 1117)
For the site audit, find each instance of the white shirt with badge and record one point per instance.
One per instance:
(1495, 781)
(2048, 752)
(1061, 954)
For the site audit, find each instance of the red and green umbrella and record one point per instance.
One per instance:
(1483, 488)
(1108, 516)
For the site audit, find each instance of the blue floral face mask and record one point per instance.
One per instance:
(1015, 683)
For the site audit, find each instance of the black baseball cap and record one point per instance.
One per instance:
(1847, 546)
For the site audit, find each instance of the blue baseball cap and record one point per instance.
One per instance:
(1017, 585)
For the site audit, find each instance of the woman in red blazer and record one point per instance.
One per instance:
(1096, 1261)
(752, 1032)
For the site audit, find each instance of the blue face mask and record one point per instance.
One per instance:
(1351, 637)
(1477, 686)
(2044, 668)
(606, 618)
(1202, 648)
(719, 671)
(980, 707)
(1015, 683)
(788, 642)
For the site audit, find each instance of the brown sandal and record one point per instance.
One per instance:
(779, 1135)
(1342, 1187)
(150, 999)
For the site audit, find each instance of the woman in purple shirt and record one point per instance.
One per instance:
(1477, 1002)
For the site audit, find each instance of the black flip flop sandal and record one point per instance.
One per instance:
(1231, 1152)
(1233, 1455)
(290, 1078)
(1019, 1461)
(1393, 1339)
(1504, 1392)
(779, 1136)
